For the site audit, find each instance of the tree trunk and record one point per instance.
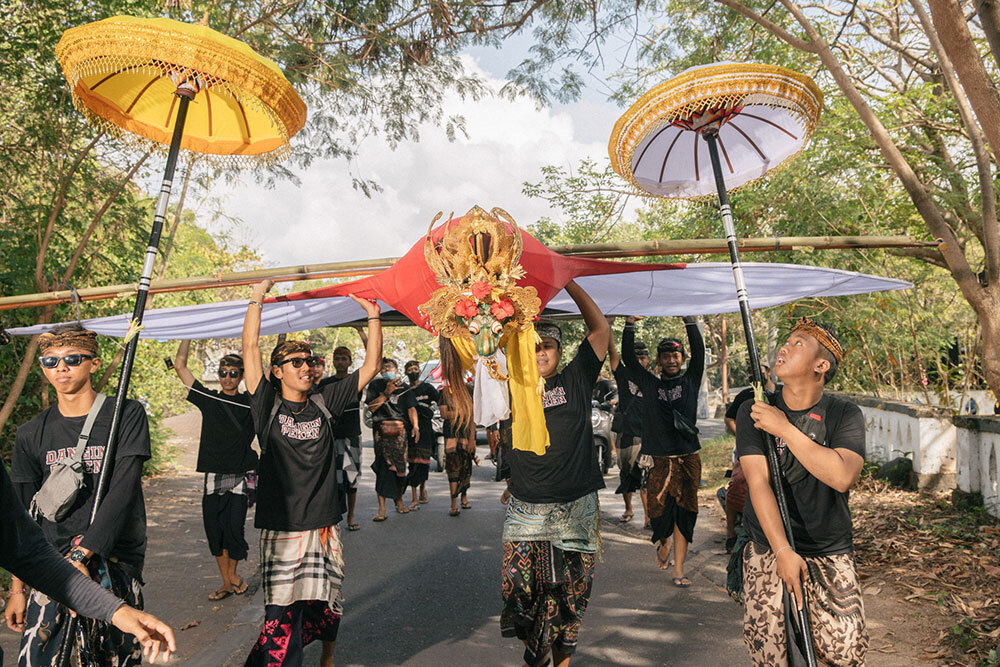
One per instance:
(27, 363)
(989, 16)
(989, 321)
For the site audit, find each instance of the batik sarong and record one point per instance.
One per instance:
(288, 630)
(549, 554)
(672, 495)
(98, 644)
(833, 597)
(458, 464)
(389, 465)
(629, 474)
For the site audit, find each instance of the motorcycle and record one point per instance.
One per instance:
(601, 415)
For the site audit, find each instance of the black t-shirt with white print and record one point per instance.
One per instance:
(119, 529)
(349, 424)
(568, 470)
(394, 408)
(629, 403)
(662, 395)
(226, 430)
(297, 483)
(821, 518)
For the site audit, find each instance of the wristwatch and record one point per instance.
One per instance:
(78, 555)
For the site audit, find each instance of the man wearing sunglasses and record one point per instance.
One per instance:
(226, 457)
(111, 548)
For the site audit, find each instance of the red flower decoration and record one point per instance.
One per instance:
(466, 308)
(502, 309)
(481, 290)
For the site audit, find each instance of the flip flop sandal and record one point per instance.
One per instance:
(379, 517)
(466, 506)
(423, 501)
(244, 585)
(353, 526)
(413, 508)
(454, 512)
(219, 595)
(664, 563)
(405, 510)
(682, 582)
(625, 518)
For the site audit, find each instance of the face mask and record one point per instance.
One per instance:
(414, 377)
(389, 375)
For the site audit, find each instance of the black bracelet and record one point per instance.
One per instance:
(374, 318)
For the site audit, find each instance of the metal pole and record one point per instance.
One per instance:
(777, 482)
(185, 95)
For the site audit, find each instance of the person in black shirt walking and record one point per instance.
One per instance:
(298, 508)
(550, 536)
(670, 441)
(630, 410)
(347, 434)
(391, 405)
(225, 456)
(115, 542)
(821, 448)
(421, 443)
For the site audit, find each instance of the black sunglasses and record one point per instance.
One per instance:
(298, 361)
(70, 359)
(230, 373)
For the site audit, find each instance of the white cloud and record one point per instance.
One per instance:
(326, 220)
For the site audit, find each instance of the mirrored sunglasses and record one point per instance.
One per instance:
(70, 359)
(230, 373)
(298, 361)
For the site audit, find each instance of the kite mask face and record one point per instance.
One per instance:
(477, 264)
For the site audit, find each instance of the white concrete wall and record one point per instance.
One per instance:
(929, 441)
(978, 453)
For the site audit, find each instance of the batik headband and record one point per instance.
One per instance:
(232, 361)
(79, 338)
(288, 347)
(549, 330)
(822, 335)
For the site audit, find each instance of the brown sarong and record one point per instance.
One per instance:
(672, 495)
(833, 596)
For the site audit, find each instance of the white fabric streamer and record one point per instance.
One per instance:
(490, 397)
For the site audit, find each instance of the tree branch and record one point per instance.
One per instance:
(770, 26)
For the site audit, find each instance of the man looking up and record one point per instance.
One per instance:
(225, 456)
(116, 540)
(821, 447)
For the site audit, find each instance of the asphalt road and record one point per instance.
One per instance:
(423, 589)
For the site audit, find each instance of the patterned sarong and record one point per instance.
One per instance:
(302, 565)
(549, 554)
(836, 609)
(672, 495)
(459, 466)
(629, 474)
(348, 453)
(288, 630)
(98, 644)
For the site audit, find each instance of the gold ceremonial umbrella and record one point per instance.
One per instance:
(161, 83)
(759, 116)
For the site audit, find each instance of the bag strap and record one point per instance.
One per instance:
(317, 399)
(88, 426)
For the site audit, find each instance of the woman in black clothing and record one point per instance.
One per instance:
(670, 440)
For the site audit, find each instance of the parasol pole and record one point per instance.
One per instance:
(710, 134)
(185, 93)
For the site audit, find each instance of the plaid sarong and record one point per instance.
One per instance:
(348, 453)
(219, 483)
(302, 565)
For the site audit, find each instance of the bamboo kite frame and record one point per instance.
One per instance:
(366, 267)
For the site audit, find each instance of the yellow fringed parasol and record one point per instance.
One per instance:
(161, 83)
(124, 73)
(758, 116)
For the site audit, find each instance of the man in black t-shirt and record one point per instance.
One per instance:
(347, 434)
(225, 456)
(550, 536)
(116, 540)
(670, 443)
(630, 429)
(421, 444)
(821, 448)
(392, 406)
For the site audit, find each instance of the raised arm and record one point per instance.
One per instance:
(181, 364)
(696, 366)
(373, 345)
(597, 324)
(253, 368)
(613, 358)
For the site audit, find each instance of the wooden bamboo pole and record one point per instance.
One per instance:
(364, 267)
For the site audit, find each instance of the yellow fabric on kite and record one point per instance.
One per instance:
(528, 416)
(529, 431)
